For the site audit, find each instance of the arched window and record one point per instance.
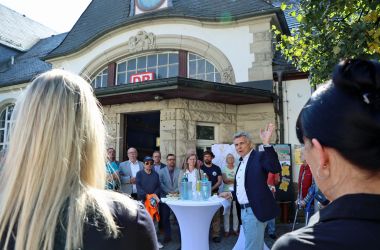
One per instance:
(164, 65)
(5, 123)
(100, 80)
(202, 69)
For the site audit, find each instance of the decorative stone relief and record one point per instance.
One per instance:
(256, 116)
(205, 106)
(228, 75)
(208, 117)
(142, 41)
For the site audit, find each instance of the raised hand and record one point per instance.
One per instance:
(266, 134)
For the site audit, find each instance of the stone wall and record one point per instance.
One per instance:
(261, 48)
(178, 120)
(253, 117)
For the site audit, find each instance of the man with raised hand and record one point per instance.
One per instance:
(250, 189)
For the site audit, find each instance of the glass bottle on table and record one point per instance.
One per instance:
(205, 192)
(184, 191)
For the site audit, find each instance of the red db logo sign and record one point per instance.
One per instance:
(140, 77)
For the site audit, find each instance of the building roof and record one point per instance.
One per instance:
(279, 62)
(28, 65)
(20, 32)
(180, 87)
(101, 17)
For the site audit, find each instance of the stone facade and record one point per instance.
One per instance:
(178, 120)
(262, 50)
(253, 117)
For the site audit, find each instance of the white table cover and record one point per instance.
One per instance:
(194, 218)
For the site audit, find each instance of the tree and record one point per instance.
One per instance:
(328, 31)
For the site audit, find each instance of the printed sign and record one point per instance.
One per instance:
(141, 77)
(284, 189)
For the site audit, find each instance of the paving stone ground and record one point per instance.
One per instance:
(226, 243)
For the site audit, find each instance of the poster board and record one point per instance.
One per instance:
(284, 190)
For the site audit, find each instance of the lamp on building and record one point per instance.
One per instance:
(158, 98)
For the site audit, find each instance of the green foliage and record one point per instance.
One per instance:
(329, 31)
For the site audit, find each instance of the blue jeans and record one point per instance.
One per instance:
(253, 230)
(271, 226)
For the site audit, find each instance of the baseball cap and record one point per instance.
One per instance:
(148, 158)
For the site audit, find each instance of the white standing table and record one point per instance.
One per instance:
(194, 218)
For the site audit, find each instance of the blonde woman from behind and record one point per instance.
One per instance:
(53, 177)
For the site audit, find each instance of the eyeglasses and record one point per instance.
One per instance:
(171, 159)
(148, 163)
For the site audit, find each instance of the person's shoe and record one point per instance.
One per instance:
(159, 244)
(226, 234)
(236, 233)
(216, 239)
(273, 236)
(167, 239)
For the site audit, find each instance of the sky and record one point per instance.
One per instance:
(59, 15)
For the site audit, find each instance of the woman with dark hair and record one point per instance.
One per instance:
(340, 127)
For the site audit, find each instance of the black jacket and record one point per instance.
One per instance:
(259, 196)
(135, 225)
(351, 222)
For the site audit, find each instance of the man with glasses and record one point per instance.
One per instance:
(128, 171)
(169, 185)
(148, 185)
(148, 181)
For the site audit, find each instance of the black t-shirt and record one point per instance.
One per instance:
(212, 173)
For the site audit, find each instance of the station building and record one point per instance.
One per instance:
(169, 74)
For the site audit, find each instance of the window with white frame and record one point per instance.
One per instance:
(202, 69)
(100, 80)
(5, 124)
(206, 135)
(164, 65)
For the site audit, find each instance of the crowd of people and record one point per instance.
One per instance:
(244, 184)
(54, 194)
(152, 177)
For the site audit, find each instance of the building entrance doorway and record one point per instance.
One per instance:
(142, 131)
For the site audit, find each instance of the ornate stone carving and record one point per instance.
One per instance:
(142, 41)
(228, 75)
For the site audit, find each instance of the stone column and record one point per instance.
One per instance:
(261, 48)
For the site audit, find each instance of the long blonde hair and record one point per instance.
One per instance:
(55, 162)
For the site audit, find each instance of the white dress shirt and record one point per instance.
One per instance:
(192, 176)
(135, 167)
(241, 194)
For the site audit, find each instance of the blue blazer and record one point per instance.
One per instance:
(260, 198)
